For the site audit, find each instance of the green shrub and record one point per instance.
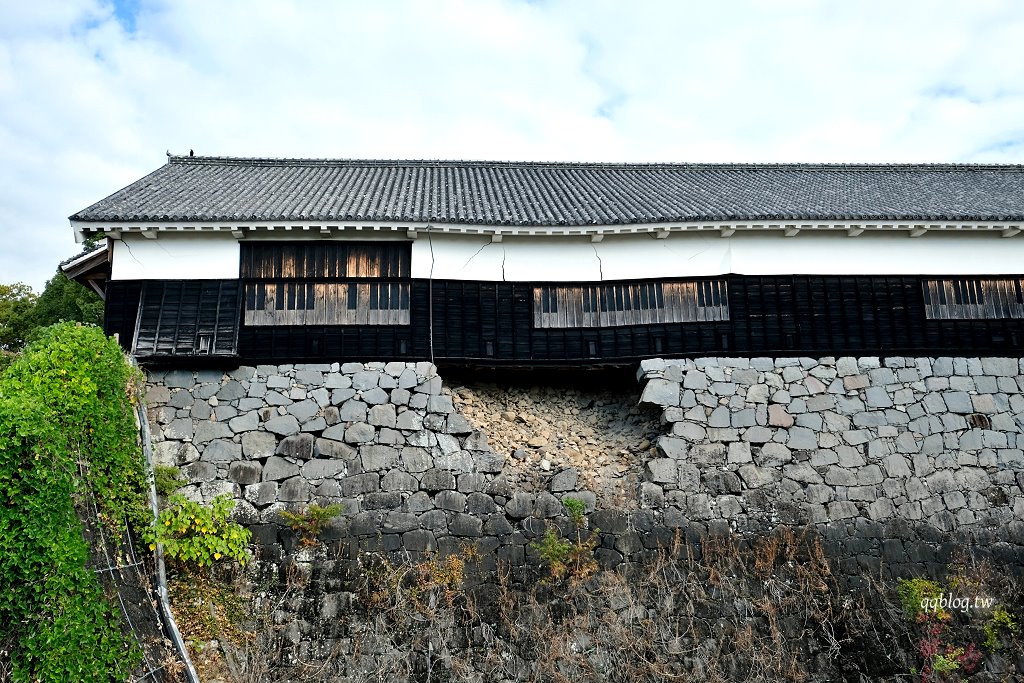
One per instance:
(168, 479)
(564, 558)
(914, 592)
(67, 436)
(577, 509)
(1000, 620)
(309, 522)
(196, 534)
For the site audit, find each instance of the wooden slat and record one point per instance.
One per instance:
(627, 304)
(973, 299)
(327, 303)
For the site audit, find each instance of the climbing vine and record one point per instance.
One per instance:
(67, 437)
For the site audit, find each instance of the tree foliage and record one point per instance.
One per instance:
(23, 314)
(17, 301)
(67, 436)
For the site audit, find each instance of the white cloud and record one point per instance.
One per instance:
(87, 106)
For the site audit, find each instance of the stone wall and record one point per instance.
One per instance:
(897, 460)
(812, 441)
(897, 463)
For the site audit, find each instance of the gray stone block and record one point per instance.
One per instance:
(801, 438)
(339, 396)
(320, 469)
(390, 437)
(180, 430)
(566, 480)
(382, 415)
(661, 392)
(520, 505)
(277, 468)
(1001, 367)
(434, 480)
(397, 480)
(758, 434)
(275, 398)
(358, 484)
(221, 451)
(801, 472)
(419, 502)
(419, 541)
(464, 525)
(378, 457)
(450, 500)
(330, 448)
(772, 455)
(720, 417)
(375, 396)
(299, 447)
(359, 433)
(304, 410)
(416, 459)
(245, 422)
(364, 380)
(198, 472)
(842, 509)
(282, 425)
(245, 473)
(756, 477)
(174, 453)
(659, 470)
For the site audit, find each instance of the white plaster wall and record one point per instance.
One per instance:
(175, 257)
(626, 257)
(687, 255)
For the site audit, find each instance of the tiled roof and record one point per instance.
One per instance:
(558, 194)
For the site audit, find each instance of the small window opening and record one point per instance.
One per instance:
(203, 343)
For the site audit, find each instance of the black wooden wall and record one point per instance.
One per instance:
(489, 323)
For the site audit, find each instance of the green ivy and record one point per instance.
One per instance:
(196, 534)
(66, 429)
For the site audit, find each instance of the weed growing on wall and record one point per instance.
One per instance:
(168, 479)
(67, 441)
(309, 522)
(198, 535)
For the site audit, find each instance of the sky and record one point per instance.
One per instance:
(94, 93)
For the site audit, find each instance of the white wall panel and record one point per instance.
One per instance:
(175, 257)
(625, 257)
(693, 255)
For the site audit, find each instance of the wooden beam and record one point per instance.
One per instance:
(597, 237)
(1010, 232)
(496, 237)
(918, 231)
(854, 231)
(661, 234)
(791, 231)
(726, 232)
(148, 234)
(238, 234)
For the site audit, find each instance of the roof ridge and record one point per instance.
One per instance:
(455, 163)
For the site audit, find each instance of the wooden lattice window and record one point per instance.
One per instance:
(326, 284)
(635, 303)
(974, 298)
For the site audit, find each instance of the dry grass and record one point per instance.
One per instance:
(764, 611)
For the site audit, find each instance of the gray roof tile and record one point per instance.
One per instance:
(558, 194)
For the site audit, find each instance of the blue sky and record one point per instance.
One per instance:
(93, 92)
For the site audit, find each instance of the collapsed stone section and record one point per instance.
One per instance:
(382, 439)
(566, 438)
(802, 440)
